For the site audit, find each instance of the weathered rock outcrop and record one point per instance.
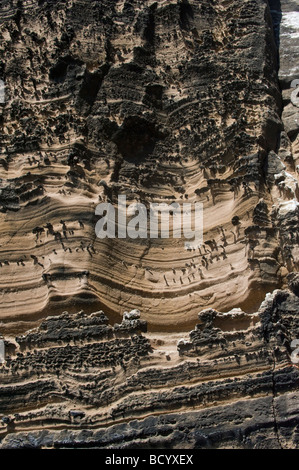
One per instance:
(103, 392)
(162, 101)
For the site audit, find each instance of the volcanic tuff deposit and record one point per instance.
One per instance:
(163, 101)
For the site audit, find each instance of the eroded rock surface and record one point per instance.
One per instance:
(166, 101)
(161, 101)
(233, 383)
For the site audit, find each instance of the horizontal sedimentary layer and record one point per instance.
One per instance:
(130, 389)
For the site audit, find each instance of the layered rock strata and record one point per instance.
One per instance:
(77, 382)
(175, 101)
(163, 102)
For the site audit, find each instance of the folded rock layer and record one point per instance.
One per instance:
(162, 102)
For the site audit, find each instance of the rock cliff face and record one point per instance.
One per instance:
(166, 101)
(161, 101)
(231, 384)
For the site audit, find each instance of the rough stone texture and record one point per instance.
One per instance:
(165, 101)
(233, 384)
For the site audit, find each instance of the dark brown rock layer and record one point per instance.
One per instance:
(165, 101)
